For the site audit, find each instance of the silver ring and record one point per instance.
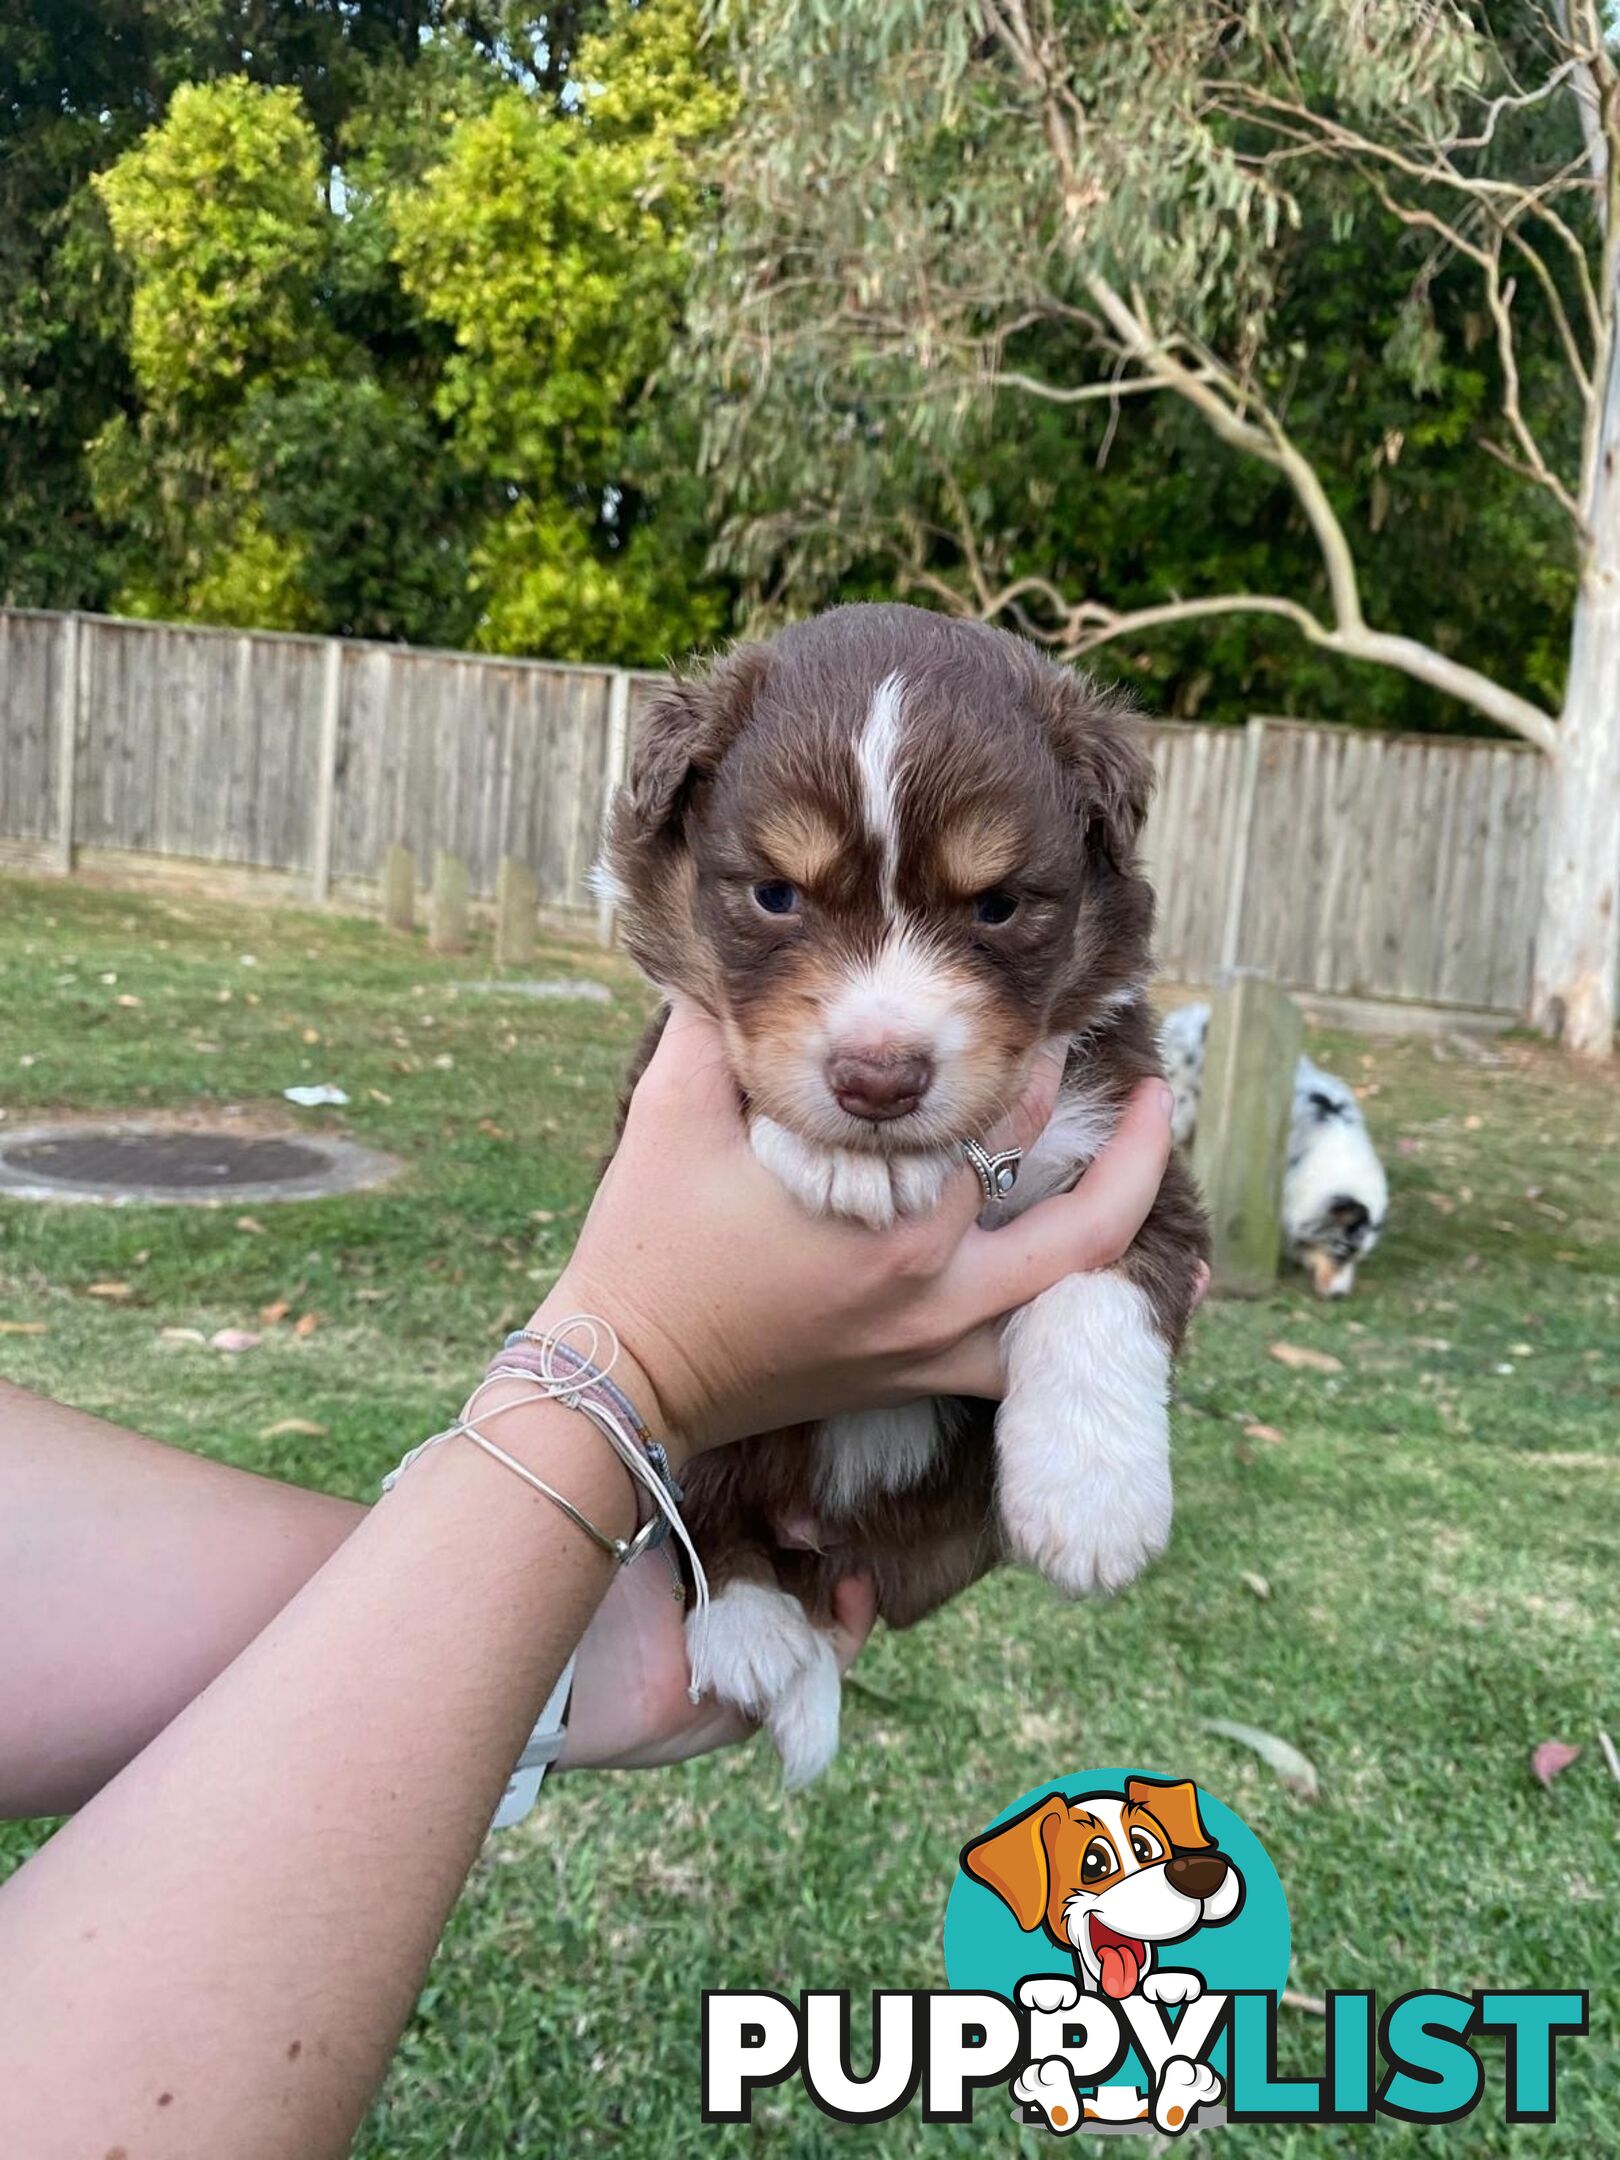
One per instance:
(997, 1174)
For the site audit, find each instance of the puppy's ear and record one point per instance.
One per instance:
(1099, 738)
(1176, 1807)
(1015, 1863)
(685, 734)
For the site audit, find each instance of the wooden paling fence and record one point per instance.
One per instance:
(1359, 865)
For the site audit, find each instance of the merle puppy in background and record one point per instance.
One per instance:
(1335, 1196)
(893, 854)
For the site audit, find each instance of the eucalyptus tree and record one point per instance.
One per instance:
(935, 207)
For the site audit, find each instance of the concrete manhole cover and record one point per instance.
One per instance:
(117, 1164)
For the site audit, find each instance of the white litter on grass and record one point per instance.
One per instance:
(564, 986)
(315, 1098)
(233, 1340)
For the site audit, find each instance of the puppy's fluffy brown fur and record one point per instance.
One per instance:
(893, 854)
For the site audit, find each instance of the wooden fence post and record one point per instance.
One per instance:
(1241, 1149)
(320, 877)
(399, 889)
(447, 924)
(517, 901)
(67, 744)
(1237, 874)
(615, 759)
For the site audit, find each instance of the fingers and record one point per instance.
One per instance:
(854, 1612)
(1020, 1128)
(1088, 1228)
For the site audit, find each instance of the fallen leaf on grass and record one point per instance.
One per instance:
(307, 1323)
(1268, 1433)
(1550, 1759)
(300, 1425)
(126, 997)
(251, 1224)
(1257, 1583)
(1312, 2005)
(23, 1327)
(111, 1290)
(1300, 1357)
(271, 1314)
(233, 1339)
(1295, 1770)
(181, 1335)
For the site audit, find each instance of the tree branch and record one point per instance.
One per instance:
(1268, 441)
(1098, 626)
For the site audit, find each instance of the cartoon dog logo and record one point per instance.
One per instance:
(1111, 1878)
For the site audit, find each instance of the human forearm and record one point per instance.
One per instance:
(242, 1918)
(130, 1575)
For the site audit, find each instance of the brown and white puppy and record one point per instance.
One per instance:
(893, 854)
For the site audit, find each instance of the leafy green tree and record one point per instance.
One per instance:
(553, 248)
(403, 385)
(1044, 204)
(218, 216)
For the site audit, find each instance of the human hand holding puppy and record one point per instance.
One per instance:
(742, 1313)
(737, 1312)
(269, 1874)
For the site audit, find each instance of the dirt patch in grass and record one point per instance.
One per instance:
(1434, 1524)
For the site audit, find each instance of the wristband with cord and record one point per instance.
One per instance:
(573, 1378)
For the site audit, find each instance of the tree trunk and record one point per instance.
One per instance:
(1577, 957)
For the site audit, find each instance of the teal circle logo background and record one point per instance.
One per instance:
(986, 1948)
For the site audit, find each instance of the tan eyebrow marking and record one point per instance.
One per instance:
(801, 842)
(978, 851)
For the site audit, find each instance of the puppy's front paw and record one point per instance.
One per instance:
(877, 1190)
(1183, 2088)
(1049, 2086)
(1086, 1523)
(755, 1648)
(1048, 1991)
(1083, 1437)
(1172, 1987)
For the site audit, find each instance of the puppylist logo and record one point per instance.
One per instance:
(1116, 1945)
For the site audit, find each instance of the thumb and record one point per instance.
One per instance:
(689, 1070)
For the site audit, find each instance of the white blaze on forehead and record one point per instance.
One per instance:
(902, 997)
(875, 757)
(1110, 1812)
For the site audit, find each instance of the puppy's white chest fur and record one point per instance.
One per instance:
(892, 1450)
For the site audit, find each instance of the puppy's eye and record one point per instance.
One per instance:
(1146, 1847)
(1099, 1861)
(777, 897)
(995, 908)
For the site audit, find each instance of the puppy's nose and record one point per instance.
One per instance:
(878, 1085)
(1197, 1874)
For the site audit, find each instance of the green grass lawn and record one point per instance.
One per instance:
(1435, 1526)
